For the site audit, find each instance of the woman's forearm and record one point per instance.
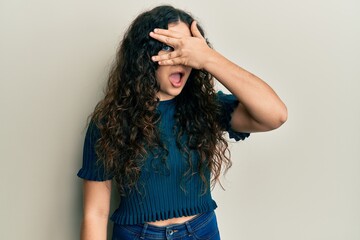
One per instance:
(96, 209)
(94, 228)
(258, 98)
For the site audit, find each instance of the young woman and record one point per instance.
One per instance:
(159, 131)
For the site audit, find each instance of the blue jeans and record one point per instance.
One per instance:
(202, 227)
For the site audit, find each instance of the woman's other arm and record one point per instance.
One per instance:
(96, 209)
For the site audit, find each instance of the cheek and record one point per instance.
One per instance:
(160, 74)
(188, 72)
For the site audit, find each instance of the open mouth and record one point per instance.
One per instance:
(175, 79)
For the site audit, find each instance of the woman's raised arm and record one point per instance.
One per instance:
(260, 108)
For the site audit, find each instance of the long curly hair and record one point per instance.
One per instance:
(127, 118)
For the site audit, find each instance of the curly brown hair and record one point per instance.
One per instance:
(127, 118)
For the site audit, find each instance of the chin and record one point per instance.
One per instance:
(166, 96)
(175, 93)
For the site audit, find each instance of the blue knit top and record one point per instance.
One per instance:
(163, 194)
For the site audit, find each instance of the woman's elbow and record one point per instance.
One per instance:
(278, 119)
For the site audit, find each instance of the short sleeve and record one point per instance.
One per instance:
(92, 169)
(228, 103)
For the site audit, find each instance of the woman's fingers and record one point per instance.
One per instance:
(187, 50)
(195, 31)
(168, 33)
(166, 56)
(168, 37)
(164, 39)
(173, 61)
(171, 38)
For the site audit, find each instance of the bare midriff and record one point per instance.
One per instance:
(161, 223)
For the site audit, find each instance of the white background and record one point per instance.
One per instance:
(300, 182)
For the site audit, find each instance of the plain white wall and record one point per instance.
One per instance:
(301, 182)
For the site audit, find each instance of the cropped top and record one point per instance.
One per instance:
(161, 195)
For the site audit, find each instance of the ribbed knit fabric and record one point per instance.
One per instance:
(160, 196)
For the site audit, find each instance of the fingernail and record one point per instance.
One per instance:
(156, 30)
(153, 58)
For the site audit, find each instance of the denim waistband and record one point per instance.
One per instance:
(194, 222)
(172, 230)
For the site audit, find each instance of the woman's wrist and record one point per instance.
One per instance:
(212, 60)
